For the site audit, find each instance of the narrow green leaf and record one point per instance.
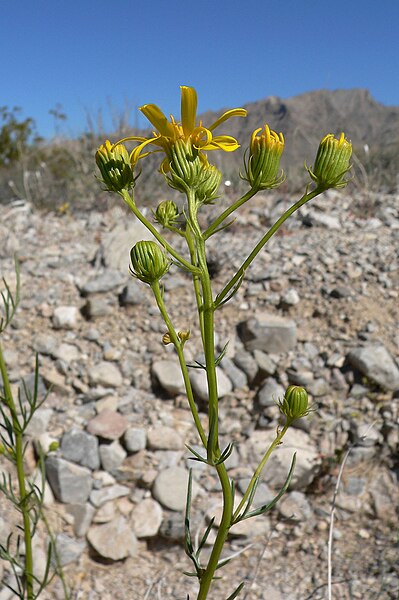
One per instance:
(236, 592)
(266, 507)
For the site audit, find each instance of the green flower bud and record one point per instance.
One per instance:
(167, 213)
(294, 405)
(332, 162)
(115, 167)
(208, 183)
(149, 263)
(185, 164)
(263, 164)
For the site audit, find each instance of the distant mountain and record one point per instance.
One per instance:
(306, 118)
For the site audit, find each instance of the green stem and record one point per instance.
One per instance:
(19, 462)
(259, 469)
(305, 198)
(180, 353)
(212, 228)
(131, 204)
(196, 280)
(223, 531)
(207, 309)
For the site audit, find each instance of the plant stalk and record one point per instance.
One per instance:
(19, 463)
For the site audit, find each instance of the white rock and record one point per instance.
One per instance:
(146, 518)
(114, 540)
(200, 385)
(169, 376)
(66, 317)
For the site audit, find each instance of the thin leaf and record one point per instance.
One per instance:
(262, 509)
(236, 592)
(205, 536)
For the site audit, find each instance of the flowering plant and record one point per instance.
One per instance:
(183, 146)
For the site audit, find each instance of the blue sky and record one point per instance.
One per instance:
(93, 56)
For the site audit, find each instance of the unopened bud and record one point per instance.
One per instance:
(263, 164)
(184, 335)
(166, 339)
(115, 168)
(208, 183)
(332, 162)
(167, 213)
(295, 403)
(149, 263)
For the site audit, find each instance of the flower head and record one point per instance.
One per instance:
(332, 162)
(166, 213)
(262, 166)
(149, 263)
(294, 405)
(115, 167)
(196, 137)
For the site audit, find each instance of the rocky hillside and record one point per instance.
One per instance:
(319, 308)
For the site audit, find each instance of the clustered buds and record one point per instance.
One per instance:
(263, 164)
(332, 162)
(115, 167)
(149, 263)
(295, 403)
(167, 213)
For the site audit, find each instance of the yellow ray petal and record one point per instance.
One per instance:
(234, 112)
(156, 117)
(188, 109)
(222, 142)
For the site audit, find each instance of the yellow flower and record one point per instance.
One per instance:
(115, 167)
(195, 138)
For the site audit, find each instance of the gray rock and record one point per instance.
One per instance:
(172, 527)
(170, 488)
(147, 518)
(81, 447)
(290, 298)
(67, 352)
(132, 294)
(116, 245)
(39, 422)
(97, 307)
(104, 282)
(307, 457)
(376, 364)
(236, 375)
(268, 332)
(45, 344)
(68, 549)
(169, 376)
(82, 517)
(106, 374)
(164, 438)
(114, 540)
(112, 455)
(295, 506)
(200, 384)
(66, 317)
(109, 425)
(314, 218)
(266, 364)
(245, 361)
(108, 493)
(270, 393)
(135, 439)
(70, 483)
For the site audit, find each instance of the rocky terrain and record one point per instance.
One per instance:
(319, 307)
